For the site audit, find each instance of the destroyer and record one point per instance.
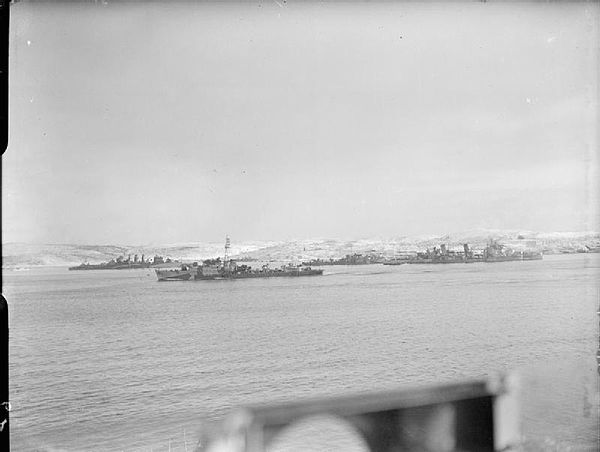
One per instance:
(120, 263)
(228, 269)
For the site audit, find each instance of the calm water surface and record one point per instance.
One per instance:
(114, 360)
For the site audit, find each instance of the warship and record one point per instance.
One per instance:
(493, 252)
(213, 269)
(443, 255)
(120, 263)
(592, 249)
(348, 259)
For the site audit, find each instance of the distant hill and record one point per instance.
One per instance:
(31, 255)
(27, 255)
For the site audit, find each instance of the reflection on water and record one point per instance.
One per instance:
(114, 360)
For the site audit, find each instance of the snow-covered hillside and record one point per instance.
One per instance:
(27, 255)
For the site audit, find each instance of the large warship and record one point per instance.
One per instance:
(493, 252)
(227, 268)
(496, 252)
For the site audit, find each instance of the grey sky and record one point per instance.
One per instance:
(154, 123)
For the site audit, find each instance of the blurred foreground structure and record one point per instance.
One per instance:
(470, 416)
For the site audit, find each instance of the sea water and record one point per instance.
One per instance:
(114, 360)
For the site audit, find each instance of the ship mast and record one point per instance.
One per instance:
(227, 246)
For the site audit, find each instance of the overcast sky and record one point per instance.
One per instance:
(149, 123)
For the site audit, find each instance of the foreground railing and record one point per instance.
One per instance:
(472, 416)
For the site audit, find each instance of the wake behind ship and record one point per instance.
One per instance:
(212, 269)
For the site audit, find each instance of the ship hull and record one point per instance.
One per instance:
(193, 274)
(266, 274)
(440, 261)
(173, 275)
(535, 257)
(109, 267)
